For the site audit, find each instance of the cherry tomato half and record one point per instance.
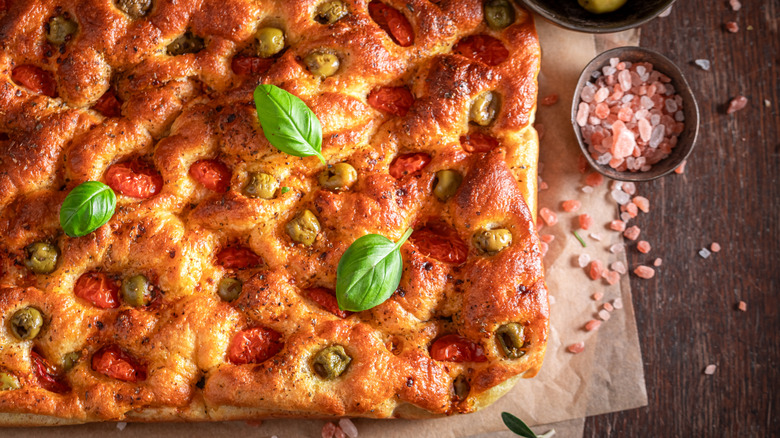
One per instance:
(98, 289)
(134, 178)
(36, 79)
(115, 363)
(393, 100)
(482, 48)
(250, 65)
(327, 299)
(409, 164)
(45, 376)
(478, 142)
(456, 348)
(393, 22)
(212, 174)
(238, 258)
(254, 345)
(441, 244)
(108, 104)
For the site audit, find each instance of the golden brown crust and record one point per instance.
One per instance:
(176, 110)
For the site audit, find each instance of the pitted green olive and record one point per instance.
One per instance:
(26, 323)
(70, 360)
(134, 8)
(8, 381)
(329, 12)
(447, 183)
(303, 228)
(484, 108)
(270, 41)
(331, 362)
(461, 387)
(492, 241)
(499, 14)
(229, 288)
(510, 338)
(338, 177)
(322, 63)
(61, 28)
(187, 43)
(42, 257)
(261, 185)
(136, 291)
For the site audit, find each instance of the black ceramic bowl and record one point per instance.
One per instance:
(686, 140)
(569, 14)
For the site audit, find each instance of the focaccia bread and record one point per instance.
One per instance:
(209, 294)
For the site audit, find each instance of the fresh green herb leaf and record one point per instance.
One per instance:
(582, 242)
(288, 124)
(285, 190)
(517, 426)
(369, 272)
(86, 208)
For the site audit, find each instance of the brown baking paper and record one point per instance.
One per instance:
(606, 377)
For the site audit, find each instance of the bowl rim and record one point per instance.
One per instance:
(605, 28)
(632, 176)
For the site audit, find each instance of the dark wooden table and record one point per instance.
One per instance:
(730, 193)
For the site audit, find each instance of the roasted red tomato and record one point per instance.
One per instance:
(115, 363)
(238, 258)
(393, 100)
(36, 79)
(254, 345)
(250, 65)
(393, 22)
(478, 142)
(134, 178)
(482, 48)
(327, 299)
(456, 348)
(45, 376)
(98, 289)
(212, 174)
(409, 164)
(108, 104)
(441, 244)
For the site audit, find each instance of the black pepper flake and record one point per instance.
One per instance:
(522, 289)
(409, 382)
(428, 266)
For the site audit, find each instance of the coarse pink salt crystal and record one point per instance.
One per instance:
(742, 306)
(625, 114)
(576, 348)
(585, 221)
(642, 202)
(715, 247)
(543, 186)
(594, 179)
(582, 114)
(658, 262)
(604, 315)
(617, 225)
(593, 324)
(645, 272)
(617, 303)
(735, 5)
(629, 187)
(632, 232)
(681, 168)
(597, 296)
(583, 260)
(602, 110)
(549, 217)
(631, 209)
(571, 205)
(608, 307)
(622, 144)
(594, 269)
(643, 246)
(612, 277)
(328, 430)
(618, 267)
(547, 238)
(625, 217)
(616, 248)
(601, 95)
(710, 369)
(348, 427)
(543, 248)
(737, 104)
(732, 26)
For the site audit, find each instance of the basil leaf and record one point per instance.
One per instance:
(285, 190)
(288, 124)
(369, 272)
(87, 208)
(517, 426)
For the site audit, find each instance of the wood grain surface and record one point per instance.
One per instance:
(730, 194)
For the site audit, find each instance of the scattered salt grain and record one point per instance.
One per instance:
(645, 272)
(348, 427)
(632, 233)
(596, 237)
(328, 430)
(616, 185)
(666, 13)
(608, 307)
(121, 425)
(767, 103)
(629, 188)
(737, 104)
(616, 248)
(549, 217)
(742, 306)
(587, 189)
(594, 179)
(583, 260)
(597, 296)
(595, 269)
(681, 168)
(593, 324)
(585, 221)
(616, 225)
(620, 197)
(704, 253)
(715, 247)
(617, 303)
(571, 205)
(710, 369)
(625, 216)
(643, 246)
(551, 299)
(658, 262)
(547, 238)
(604, 315)
(577, 348)
(735, 5)
(612, 277)
(732, 27)
(618, 267)
(704, 64)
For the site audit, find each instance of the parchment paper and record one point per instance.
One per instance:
(606, 377)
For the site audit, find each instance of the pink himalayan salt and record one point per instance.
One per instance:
(737, 104)
(608, 307)
(611, 277)
(549, 217)
(617, 303)
(576, 348)
(715, 247)
(597, 296)
(658, 262)
(645, 272)
(643, 246)
(735, 5)
(732, 27)
(628, 187)
(642, 203)
(585, 221)
(595, 269)
(604, 315)
(593, 324)
(632, 233)
(742, 306)
(710, 369)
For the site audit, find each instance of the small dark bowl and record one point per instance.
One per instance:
(685, 141)
(569, 14)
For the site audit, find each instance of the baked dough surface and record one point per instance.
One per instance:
(176, 110)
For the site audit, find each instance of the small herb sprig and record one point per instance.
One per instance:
(288, 124)
(87, 208)
(369, 272)
(517, 426)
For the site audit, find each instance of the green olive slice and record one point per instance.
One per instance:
(499, 14)
(42, 257)
(339, 176)
(447, 183)
(322, 63)
(26, 323)
(136, 290)
(187, 43)
(135, 9)
(60, 29)
(303, 228)
(461, 387)
(331, 362)
(484, 108)
(510, 338)
(270, 41)
(261, 185)
(229, 288)
(8, 381)
(492, 242)
(329, 12)
(70, 360)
